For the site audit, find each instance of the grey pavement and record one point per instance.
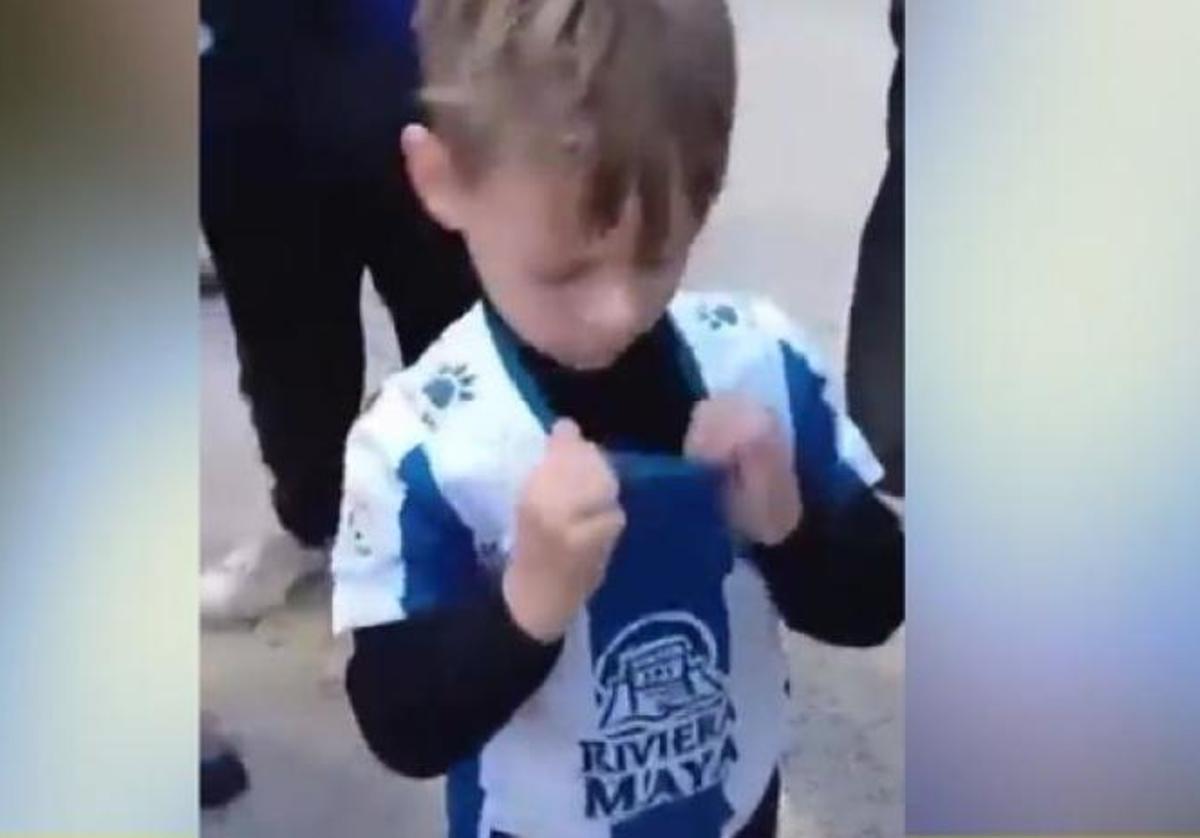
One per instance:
(808, 154)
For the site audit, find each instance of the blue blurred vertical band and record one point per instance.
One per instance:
(1053, 401)
(98, 429)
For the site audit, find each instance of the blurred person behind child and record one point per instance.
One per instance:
(301, 189)
(875, 357)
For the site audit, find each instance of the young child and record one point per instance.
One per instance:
(571, 530)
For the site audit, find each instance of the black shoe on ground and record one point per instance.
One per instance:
(222, 779)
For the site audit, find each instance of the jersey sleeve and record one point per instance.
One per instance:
(400, 548)
(833, 460)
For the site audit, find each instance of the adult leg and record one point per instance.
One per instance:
(292, 289)
(875, 362)
(287, 258)
(422, 272)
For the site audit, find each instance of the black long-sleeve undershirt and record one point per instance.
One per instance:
(840, 578)
(432, 689)
(429, 690)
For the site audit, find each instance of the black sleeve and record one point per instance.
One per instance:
(430, 690)
(839, 577)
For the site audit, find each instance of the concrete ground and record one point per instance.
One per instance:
(808, 154)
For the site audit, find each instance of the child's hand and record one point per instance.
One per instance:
(568, 521)
(745, 439)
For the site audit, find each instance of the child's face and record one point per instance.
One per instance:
(580, 298)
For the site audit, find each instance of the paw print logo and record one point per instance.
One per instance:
(491, 554)
(720, 316)
(356, 523)
(452, 383)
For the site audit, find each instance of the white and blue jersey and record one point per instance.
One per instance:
(664, 715)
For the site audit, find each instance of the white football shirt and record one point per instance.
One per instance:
(665, 713)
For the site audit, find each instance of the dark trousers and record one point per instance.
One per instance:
(875, 360)
(301, 189)
(292, 279)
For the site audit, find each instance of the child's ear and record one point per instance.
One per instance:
(432, 173)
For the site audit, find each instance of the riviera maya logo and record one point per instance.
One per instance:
(665, 718)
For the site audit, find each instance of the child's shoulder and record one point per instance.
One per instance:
(732, 327)
(388, 427)
(451, 390)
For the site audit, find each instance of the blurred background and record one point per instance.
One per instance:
(808, 154)
(1052, 205)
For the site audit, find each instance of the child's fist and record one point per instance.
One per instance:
(743, 438)
(568, 520)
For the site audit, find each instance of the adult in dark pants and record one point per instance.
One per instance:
(302, 188)
(875, 364)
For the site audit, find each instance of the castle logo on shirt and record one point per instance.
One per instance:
(665, 719)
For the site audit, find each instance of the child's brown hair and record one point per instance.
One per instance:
(637, 94)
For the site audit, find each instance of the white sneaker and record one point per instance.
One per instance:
(255, 578)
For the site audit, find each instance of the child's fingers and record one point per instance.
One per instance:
(711, 436)
(566, 441)
(581, 479)
(599, 528)
(565, 429)
(594, 486)
(756, 473)
(760, 447)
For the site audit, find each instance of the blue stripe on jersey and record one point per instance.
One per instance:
(660, 646)
(437, 549)
(440, 567)
(464, 799)
(826, 480)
